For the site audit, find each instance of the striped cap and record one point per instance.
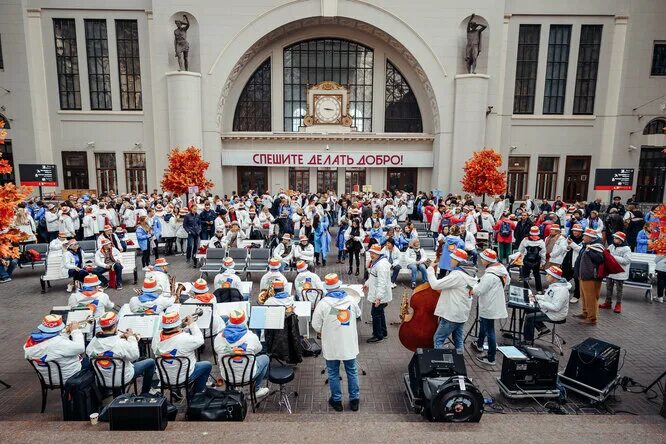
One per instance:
(149, 285)
(170, 320)
(489, 255)
(91, 280)
(200, 286)
(287, 236)
(108, 227)
(534, 231)
(228, 263)
(277, 284)
(105, 242)
(375, 249)
(274, 263)
(332, 281)
(577, 227)
(555, 227)
(301, 266)
(620, 235)
(161, 262)
(51, 323)
(555, 272)
(108, 319)
(237, 317)
(303, 237)
(590, 232)
(459, 255)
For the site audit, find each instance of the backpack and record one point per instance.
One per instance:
(609, 265)
(532, 257)
(505, 229)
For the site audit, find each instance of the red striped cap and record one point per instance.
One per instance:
(274, 263)
(108, 319)
(301, 266)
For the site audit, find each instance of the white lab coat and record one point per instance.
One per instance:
(223, 347)
(454, 302)
(304, 253)
(623, 257)
(312, 279)
(184, 344)
(80, 300)
(379, 282)
(125, 349)
(229, 276)
(335, 319)
(490, 292)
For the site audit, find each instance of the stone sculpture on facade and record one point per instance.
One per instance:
(473, 48)
(181, 44)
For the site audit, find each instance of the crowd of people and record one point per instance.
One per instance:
(567, 242)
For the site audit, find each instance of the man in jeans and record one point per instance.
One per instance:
(393, 255)
(454, 302)
(7, 267)
(192, 225)
(335, 318)
(589, 258)
(378, 289)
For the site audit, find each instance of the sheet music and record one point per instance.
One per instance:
(204, 319)
(245, 287)
(264, 317)
(124, 310)
(288, 287)
(79, 316)
(144, 325)
(303, 308)
(224, 308)
(61, 308)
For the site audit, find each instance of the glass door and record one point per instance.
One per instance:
(576, 178)
(252, 178)
(75, 170)
(403, 179)
(327, 180)
(354, 179)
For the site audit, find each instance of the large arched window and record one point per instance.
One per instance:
(656, 126)
(342, 61)
(402, 114)
(253, 110)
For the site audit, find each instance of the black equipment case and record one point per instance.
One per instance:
(138, 413)
(537, 372)
(434, 363)
(80, 397)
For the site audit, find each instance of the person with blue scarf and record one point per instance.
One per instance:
(451, 242)
(237, 339)
(377, 233)
(322, 238)
(150, 301)
(280, 297)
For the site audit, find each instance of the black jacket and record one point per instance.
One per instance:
(285, 344)
(522, 230)
(192, 224)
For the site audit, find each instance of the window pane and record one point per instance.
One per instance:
(253, 110)
(99, 77)
(402, 113)
(659, 59)
(135, 172)
(107, 179)
(526, 69)
(314, 61)
(656, 126)
(587, 69)
(129, 65)
(67, 63)
(556, 69)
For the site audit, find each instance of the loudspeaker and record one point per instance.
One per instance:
(594, 363)
(453, 399)
(537, 372)
(434, 363)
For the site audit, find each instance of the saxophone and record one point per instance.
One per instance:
(404, 307)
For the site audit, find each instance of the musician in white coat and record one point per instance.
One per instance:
(150, 301)
(160, 273)
(305, 280)
(228, 277)
(490, 294)
(89, 296)
(280, 296)
(335, 318)
(378, 289)
(274, 265)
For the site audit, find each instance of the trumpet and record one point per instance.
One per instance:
(127, 333)
(195, 316)
(79, 324)
(265, 294)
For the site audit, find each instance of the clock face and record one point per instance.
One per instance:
(328, 109)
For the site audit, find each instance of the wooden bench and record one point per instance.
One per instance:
(53, 271)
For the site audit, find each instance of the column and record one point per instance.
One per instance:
(184, 108)
(469, 123)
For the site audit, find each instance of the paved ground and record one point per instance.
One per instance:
(638, 330)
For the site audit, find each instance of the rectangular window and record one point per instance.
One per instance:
(75, 170)
(354, 179)
(517, 175)
(587, 69)
(327, 180)
(99, 75)
(129, 65)
(299, 179)
(659, 59)
(526, 69)
(135, 172)
(546, 177)
(105, 165)
(651, 175)
(2, 61)
(556, 69)
(67, 63)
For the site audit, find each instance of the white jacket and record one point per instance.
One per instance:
(559, 250)
(56, 246)
(270, 277)
(251, 344)
(470, 241)
(99, 257)
(555, 301)
(490, 292)
(117, 347)
(454, 302)
(335, 319)
(401, 212)
(228, 238)
(470, 223)
(162, 280)
(279, 252)
(158, 305)
(168, 228)
(436, 221)
(379, 282)
(89, 224)
(411, 256)
(67, 225)
(487, 222)
(498, 208)
(623, 257)
(304, 254)
(184, 344)
(527, 242)
(229, 276)
(100, 299)
(394, 256)
(60, 349)
(313, 280)
(129, 218)
(52, 221)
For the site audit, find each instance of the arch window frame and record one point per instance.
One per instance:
(253, 111)
(393, 80)
(655, 126)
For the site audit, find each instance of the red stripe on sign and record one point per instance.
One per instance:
(38, 184)
(613, 188)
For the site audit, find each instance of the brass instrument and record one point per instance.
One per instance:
(195, 316)
(180, 288)
(125, 334)
(405, 315)
(80, 324)
(265, 294)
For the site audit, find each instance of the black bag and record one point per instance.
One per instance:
(172, 410)
(532, 257)
(80, 397)
(256, 235)
(228, 295)
(639, 272)
(138, 412)
(217, 405)
(310, 347)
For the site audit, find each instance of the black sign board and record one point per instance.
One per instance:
(614, 179)
(38, 175)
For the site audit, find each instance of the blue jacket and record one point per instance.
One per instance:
(157, 227)
(192, 224)
(322, 238)
(143, 238)
(445, 259)
(642, 242)
(340, 238)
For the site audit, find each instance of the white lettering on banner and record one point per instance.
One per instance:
(376, 160)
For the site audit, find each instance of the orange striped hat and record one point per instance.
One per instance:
(108, 319)
(591, 233)
(161, 262)
(459, 255)
(274, 263)
(170, 320)
(237, 317)
(149, 285)
(489, 255)
(301, 266)
(332, 281)
(91, 280)
(228, 263)
(200, 286)
(51, 323)
(375, 249)
(277, 285)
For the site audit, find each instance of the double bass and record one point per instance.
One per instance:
(417, 328)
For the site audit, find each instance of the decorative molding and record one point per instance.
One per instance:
(277, 33)
(239, 136)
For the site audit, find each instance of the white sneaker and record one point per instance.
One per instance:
(393, 285)
(573, 300)
(261, 393)
(661, 299)
(70, 287)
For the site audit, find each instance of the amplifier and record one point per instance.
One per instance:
(434, 363)
(594, 363)
(131, 412)
(537, 372)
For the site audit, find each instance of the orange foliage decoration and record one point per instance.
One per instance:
(10, 197)
(659, 245)
(3, 132)
(186, 168)
(482, 175)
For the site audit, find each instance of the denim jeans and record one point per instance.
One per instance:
(261, 365)
(146, 369)
(533, 320)
(394, 274)
(415, 269)
(192, 246)
(6, 272)
(448, 328)
(378, 321)
(351, 368)
(200, 375)
(473, 256)
(435, 236)
(118, 268)
(487, 330)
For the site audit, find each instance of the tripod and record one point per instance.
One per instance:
(475, 325)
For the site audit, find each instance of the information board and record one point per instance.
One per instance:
(614, 179)
(38, 175)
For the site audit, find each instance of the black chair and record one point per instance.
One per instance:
(103, 365)
(239, 255)
(210, 334)
(245, 364)
(282, 375)
(163, 364)
(214, 261)
(53, 369)
(258, 261)
(555, 339)
(311, 294)
(228, 295)
(427, 243)
(89, 246)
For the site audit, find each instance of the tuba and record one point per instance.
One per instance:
(265, 294)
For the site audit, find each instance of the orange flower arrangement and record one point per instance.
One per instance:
(10, 197)
(659, 245)
(482, 175)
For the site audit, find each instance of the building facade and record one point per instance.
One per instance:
(560, 89)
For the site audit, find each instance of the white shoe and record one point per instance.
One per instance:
(261, 393)
(660, 300)
(573, 300)
(393, 285)
(70, 287)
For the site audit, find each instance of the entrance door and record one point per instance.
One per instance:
(576, 178)
(75, 170)
(651, 175)
(252, 178)
(327, 180)
(354, 177)
(403, 179)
